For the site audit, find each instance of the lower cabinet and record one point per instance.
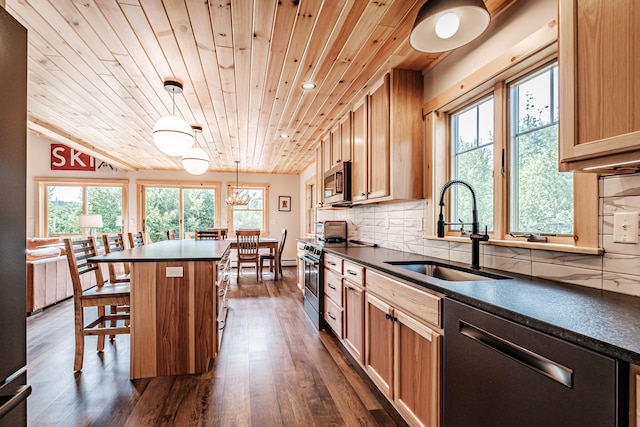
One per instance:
(403, 359)
(634, 396)
(353, 322)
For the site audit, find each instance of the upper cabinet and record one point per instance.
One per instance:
(387, 140)
(336, 145)
(599, 85)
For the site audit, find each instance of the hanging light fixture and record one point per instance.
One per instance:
(172, 134)
(443, 25)
(195, 160)
(238, 197)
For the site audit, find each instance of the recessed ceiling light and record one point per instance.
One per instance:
(284, 135)
(308, 86)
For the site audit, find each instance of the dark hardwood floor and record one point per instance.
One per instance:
(274, 369)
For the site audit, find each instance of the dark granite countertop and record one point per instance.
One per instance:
(170, 250)
(603, 321)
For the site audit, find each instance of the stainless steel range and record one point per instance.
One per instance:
(313, 284)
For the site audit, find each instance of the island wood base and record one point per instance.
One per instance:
(174, 329)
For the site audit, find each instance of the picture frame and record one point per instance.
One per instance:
(284, 203)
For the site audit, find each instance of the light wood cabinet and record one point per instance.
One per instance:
(326, 154)
(599, 85)
(338, 142)
(353, 326)
(319, 187)
(393, 159)
(403, 351)
(333, 263)
(333, 309)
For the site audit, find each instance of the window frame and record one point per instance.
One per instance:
(264, 231)
(41, 213)
(494, 77)
(180, 185)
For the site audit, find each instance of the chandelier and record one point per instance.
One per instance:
(238, 197)
(172, 134)
(195, 160)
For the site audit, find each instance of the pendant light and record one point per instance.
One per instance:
(443, 25)
(195, 160)
(172, 134)
(238, 197)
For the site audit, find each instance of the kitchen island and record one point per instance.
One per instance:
(177, 287)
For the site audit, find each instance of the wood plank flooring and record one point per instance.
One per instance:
(274, 369)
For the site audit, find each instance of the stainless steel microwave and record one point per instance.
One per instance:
(337, 185)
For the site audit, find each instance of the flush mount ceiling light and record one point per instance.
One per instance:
(308, 86)
(443, 25)
(238, 197)
(195, 160)
(172, 134)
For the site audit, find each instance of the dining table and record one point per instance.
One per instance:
(176, 307)
(270, 243)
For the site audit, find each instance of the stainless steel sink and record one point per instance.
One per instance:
(444, 272)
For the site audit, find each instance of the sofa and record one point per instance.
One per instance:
(48, 278)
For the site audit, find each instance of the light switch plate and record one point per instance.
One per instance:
(625, 227)
(174, 272)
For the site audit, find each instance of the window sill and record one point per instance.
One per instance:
(527, 245)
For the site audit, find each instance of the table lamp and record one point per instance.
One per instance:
(91, 222)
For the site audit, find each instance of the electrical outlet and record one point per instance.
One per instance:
(386, 223)
(174, 272)
(419, 224)
(625, 227)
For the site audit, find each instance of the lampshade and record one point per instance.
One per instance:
(443, 25)
(172, 135)
(90, 221)
(195, 161)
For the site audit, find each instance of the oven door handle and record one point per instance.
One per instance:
(310, 260)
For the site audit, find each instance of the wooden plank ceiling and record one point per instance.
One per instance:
(96, 72)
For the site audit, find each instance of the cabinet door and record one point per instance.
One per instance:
(417, 370)
(319, 177)
(326, 156)
(359, 159)
(599, 83)
(336, 146)
(379, 343)
(301, 274)
(345, 138)
(378, 164)
(354, 320)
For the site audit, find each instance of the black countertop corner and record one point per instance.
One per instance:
(603, 321)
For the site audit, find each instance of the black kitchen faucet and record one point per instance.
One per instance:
(475, 236)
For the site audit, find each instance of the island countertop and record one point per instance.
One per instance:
(170, 250)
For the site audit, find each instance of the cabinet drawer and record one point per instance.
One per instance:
(333, 286)
(420, 304)
(354, 272)
(333, 316)
(333, 263)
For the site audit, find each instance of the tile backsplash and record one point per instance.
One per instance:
(396, 226)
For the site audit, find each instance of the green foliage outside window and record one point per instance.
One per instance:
(251, 215)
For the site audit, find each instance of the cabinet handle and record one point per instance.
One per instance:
(331, 315)
(363, 194)
(353, 273)
(331, 263)
(538, 363)
(331, 286)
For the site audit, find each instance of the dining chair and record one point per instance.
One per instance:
(171, 234)
(136, 239)
(248, 245)
(90, 290)
(207, 235)
(271, 257)
(116, 244)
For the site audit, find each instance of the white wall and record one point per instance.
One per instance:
(38, 165)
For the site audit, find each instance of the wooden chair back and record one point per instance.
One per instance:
(171, 234)
(270, 257)
(207, 235)
(90, 290)
(136, 239)
(248, 247)
(116, 244)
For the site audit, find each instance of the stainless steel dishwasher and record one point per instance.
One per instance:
(500, 373)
